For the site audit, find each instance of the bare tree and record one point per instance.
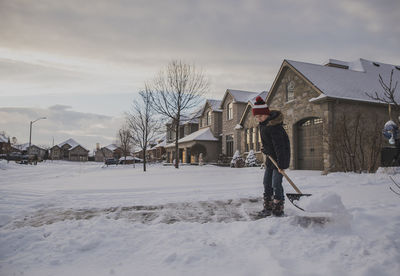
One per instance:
(356, 148)
(124, 140)
(389, 94)
(143, 125)
(175, 92)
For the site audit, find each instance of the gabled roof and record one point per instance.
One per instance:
(214, 104)
(112, 147)
(203, 134)
(161, 144)
(250, 104)
(239, 96)
(77, 146)
(25, 146)
(70, 142)
(3, 139)
(346, 80)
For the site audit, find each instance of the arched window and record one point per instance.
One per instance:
(229, 114)
(290, 91)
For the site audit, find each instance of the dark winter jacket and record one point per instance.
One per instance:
(275, 140)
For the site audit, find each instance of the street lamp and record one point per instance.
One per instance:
(30, 132)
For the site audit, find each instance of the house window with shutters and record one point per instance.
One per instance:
(230, 112)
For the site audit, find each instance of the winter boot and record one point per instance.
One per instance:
(268, 205)
(277, 209)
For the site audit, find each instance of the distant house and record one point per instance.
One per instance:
(69, 150)
(33, 150)
(110, 151)
(157, 152)
(5, 145)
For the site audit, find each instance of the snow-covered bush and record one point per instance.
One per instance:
(237, 161)
(251, 160)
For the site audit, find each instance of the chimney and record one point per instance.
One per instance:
(97, 146)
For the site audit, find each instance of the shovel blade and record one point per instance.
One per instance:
(296, 197)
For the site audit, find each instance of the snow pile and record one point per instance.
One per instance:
(330, 203)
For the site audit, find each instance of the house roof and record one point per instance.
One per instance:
(25, 146)
(250, 104)
(77, 147)
(112, 147)
(239, 96)
(360, 77)
(72, 143)
(161, 144)
(3, 139)
(203, 134)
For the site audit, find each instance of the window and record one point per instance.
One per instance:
(290, 91)
(209, 118)
(259, 143)
(247, 142)
(230, 112)
(254, 138)
(229, 145)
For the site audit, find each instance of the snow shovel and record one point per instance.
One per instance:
(291, 197)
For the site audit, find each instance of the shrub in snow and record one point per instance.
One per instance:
(251, 160)
(391, 131)
(237, 161)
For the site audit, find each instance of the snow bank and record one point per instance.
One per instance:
(331, 204)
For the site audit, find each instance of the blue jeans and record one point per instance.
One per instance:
(273, 183)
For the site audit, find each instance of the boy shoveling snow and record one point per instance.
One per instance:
(275, 143)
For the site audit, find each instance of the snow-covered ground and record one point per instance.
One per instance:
(65, 218)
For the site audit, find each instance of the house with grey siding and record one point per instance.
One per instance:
(69, 150)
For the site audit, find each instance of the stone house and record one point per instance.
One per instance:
(5, 145)
(205, 140)
(32, 151)
(69, 150)
(316, 99)
(233, 105)
(110, 151)
(157, 152)
(250, 138)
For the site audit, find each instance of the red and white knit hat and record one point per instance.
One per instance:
(260, 107)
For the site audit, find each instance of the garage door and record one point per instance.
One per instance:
(309, 144)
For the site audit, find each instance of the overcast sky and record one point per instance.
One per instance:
(81, 63)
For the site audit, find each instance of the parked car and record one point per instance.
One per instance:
(111, 161)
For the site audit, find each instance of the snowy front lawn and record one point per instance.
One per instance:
(62, 218)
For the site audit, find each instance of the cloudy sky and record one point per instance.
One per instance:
(81, 63)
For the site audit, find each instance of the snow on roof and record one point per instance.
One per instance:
(111, 147)
(203, 134)
(130, 158)
(263, 95)
(215, 105)
(242, 96)
(3, 139)
(161, 144)
(22, 147)
(361, 77)
(70, 142)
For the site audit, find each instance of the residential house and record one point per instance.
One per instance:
(107, 152)
(32, 151)
(157, 152)
(69, 150)
(233, 105)
(315, 99)
(205, 140)
(250, 138)
(5, 145)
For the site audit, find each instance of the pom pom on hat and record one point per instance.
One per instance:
(260, 107)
